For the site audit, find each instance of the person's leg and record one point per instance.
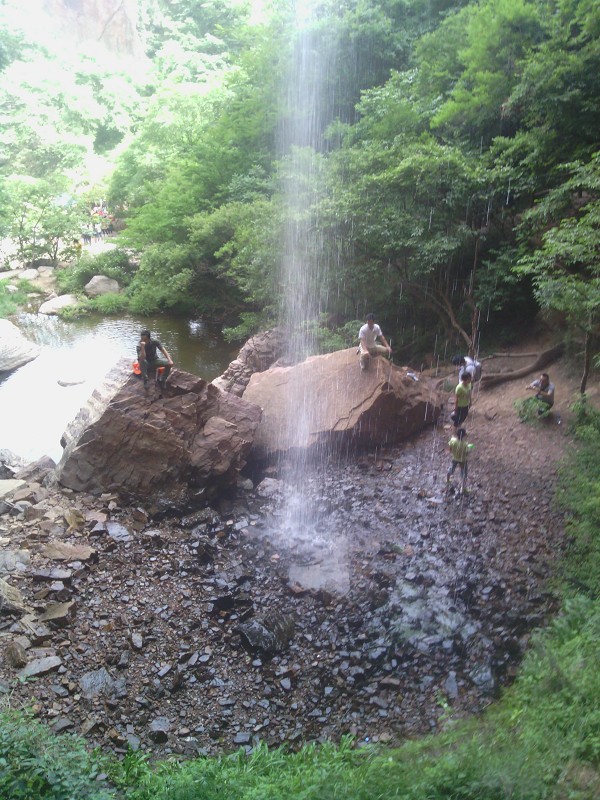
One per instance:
(460, 416)
(464, 469)
(161, 378)
(378, 350)
(364, 357)
(144, 368)
(450, 472)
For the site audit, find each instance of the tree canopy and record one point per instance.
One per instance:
(448, 167)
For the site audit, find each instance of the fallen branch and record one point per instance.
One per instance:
(510, 355)
(542, 359)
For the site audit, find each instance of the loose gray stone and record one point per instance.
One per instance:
(40, 666)
(96, 683)
(159, 729)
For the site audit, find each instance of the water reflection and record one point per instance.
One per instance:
(35, 408)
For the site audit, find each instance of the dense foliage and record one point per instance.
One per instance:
(450, 167)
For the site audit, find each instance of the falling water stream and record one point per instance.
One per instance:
(307, 98)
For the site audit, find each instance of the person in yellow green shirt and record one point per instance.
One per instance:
(459, 450)
(462, 395)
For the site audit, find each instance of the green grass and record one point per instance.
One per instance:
(541, 741)
(35, 765)
(10, 302)
(531, 410)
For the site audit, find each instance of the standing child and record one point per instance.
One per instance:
(462, 400)
(460, 452)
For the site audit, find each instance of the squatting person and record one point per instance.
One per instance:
(367, 342)
(147, 351)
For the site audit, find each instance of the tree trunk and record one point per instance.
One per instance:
(587, 361)
(544, 358)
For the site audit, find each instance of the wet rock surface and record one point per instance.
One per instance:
(233, 625)
(15, 349)
(258, 354)
(346, 406)
(175, 445)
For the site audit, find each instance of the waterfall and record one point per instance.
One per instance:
(308, 104)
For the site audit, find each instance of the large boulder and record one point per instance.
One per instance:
(29, 274)
(56, 304)
(329, 401)
(101, 284)
(167, 450)
(15, 349)
(259, 353)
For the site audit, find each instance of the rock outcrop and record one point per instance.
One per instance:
(112, 23)
(168, 450)
(344, 404)
(56, 304)
(15, 349)
(258, 354)
(101, 284)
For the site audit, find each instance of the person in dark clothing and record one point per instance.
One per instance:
(148, 357)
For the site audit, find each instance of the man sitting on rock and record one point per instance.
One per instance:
(368, 347)
(147, 356)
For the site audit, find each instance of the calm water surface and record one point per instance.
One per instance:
(35, 409)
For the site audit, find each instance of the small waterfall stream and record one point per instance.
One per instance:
(307, 100)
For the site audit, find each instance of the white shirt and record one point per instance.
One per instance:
(549, 390)
(471, 367)
(368, 336)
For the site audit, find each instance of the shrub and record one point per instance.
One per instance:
(38, 765)
(114, 264)
(110, 303)
(10, 302)
(82, 309)
(250, 323)
(531, 410)
(162, 281)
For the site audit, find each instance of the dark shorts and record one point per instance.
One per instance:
(459, 415)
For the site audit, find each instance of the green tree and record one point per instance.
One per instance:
(475, 57)
(566, 267)
(555, 104)
(42, 221)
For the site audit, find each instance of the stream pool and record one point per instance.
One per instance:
(35, 408)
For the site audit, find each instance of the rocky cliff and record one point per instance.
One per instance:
(111, 23)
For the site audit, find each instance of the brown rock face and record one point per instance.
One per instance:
(163, 449)
(259, 353)
(110, 22)
(344, 404)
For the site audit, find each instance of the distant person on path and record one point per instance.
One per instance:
(467, 364)
(544, 392)
(367, 342)
(462, 395)
(148, 357)
(459, 450)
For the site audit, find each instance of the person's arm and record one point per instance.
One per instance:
(165, 353)
(142, 355)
